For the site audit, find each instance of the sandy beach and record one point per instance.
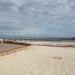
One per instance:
(39, 60)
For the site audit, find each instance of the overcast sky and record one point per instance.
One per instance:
(37, 17)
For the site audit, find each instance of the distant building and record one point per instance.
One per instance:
(1, 40)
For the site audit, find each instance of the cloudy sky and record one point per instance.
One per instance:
(37, 18)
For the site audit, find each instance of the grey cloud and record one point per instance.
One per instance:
(42, 16)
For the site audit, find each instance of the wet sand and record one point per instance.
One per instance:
(7, 48)
(39, 60)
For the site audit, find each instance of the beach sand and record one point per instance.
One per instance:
(39, 60)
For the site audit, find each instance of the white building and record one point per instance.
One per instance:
(1, 40)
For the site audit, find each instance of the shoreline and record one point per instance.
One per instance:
(16, 46)
(24, 44)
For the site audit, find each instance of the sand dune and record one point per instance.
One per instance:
(39, 60)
